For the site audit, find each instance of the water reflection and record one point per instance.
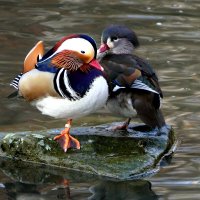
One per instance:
(22, 191)
(25, 181)
(122, 191)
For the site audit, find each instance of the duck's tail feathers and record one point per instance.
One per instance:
(15, 81)
(13, 95)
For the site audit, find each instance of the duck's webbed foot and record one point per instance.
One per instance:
(65, 140)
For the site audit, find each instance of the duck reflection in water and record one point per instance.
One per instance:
(26, 182)
(125, 190)
(103, 190)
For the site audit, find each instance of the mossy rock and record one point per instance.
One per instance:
(119, 155)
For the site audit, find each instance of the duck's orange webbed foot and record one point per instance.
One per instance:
(65, 140)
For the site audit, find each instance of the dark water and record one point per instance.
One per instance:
(169, 32)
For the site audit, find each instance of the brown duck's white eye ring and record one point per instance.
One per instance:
(114, 38)
(83, 52)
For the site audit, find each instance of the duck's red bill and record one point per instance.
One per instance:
(103, 48)
(95, 63)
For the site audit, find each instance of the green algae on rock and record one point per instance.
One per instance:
(103, 152)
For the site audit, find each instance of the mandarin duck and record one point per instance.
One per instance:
(66, 82)
(134, 84)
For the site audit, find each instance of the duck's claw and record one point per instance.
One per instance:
(65, 140)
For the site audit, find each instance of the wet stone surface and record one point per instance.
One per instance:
(118, 155)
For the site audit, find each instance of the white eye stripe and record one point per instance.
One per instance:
(75, 44)
(110, 43)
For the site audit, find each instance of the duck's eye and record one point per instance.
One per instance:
(114, 38)
(82, 52)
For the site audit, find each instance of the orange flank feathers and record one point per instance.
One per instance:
(32, 57)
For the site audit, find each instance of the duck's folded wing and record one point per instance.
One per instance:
(120, 71)
(148, 72)
(124, 70)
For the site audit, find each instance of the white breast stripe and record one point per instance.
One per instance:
(63, 85)
(68, 88)
(58, 83)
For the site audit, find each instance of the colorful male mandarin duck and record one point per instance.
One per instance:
(134, 84)
(66, 82)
